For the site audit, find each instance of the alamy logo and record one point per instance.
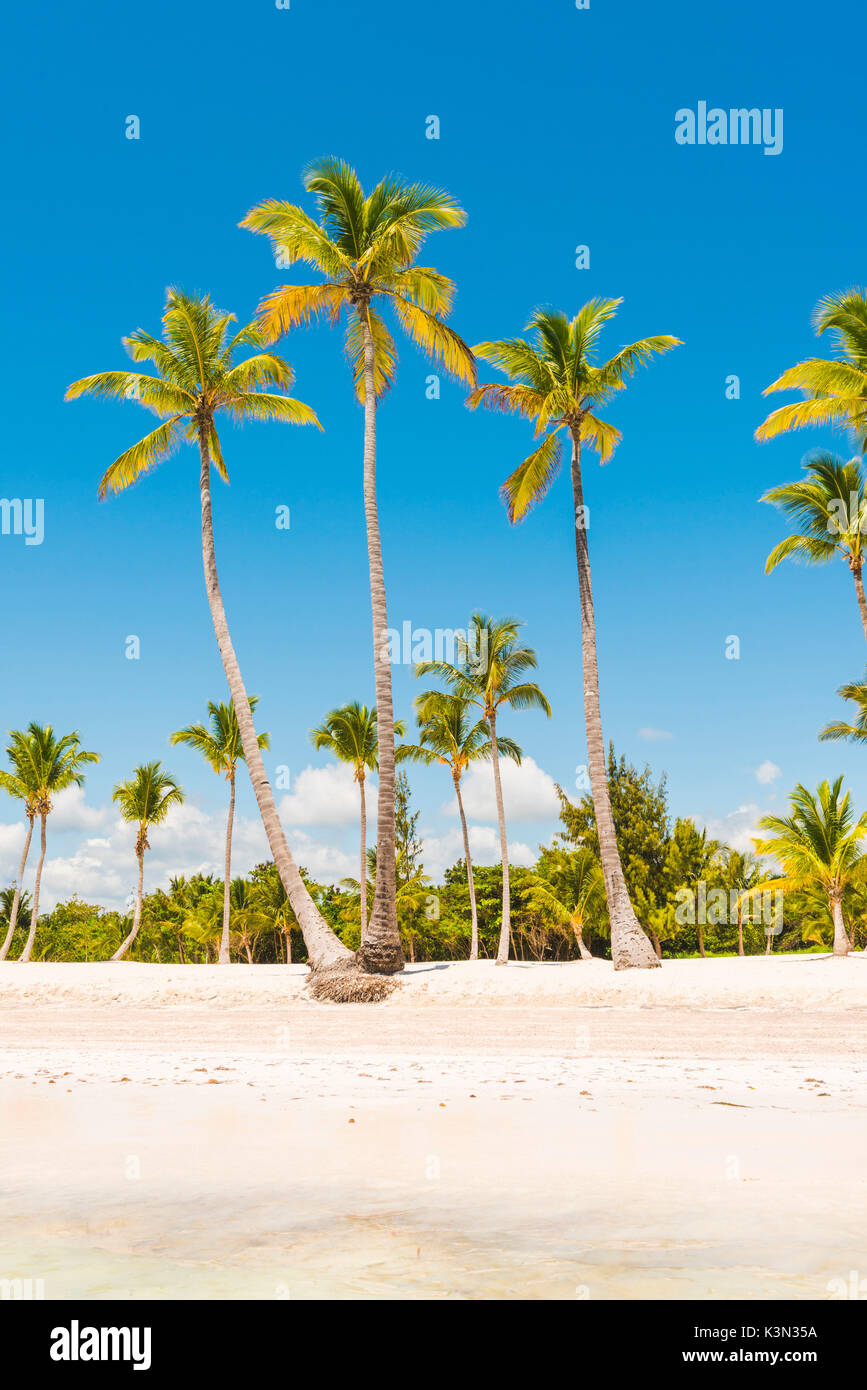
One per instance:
(737, 126)
(23, 517)
(76, 1343)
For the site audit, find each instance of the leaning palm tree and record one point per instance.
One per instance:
(350, 734)
(19, 783)
(489, 674)
(836, 388)
(366, 248)
(557, 383)
(48, 765)
(856, 732)
(570, 890)
(829, 507)
(221, 747)
(145, 800)
(818, 846)
(197, 380)
(452, 737)
(12, 899)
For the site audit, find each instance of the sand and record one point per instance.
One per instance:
(537, 1131)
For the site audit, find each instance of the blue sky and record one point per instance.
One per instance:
(557, 129)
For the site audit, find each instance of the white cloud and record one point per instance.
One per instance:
(767, 772)
(736, 829)
(325, 796)
(528, 792)
(441, 851)
(71, 812)
(653, 735)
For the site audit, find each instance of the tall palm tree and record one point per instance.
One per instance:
(829, 507)
(818, 847)
(489, 674)
(21, 784)
(571, 891)
(557, 383)
(48, 765)
(221, 747)
(198, 379)
(350, 733)
(451, 736)
(366, 246)
(836, 388)
(853, 733)
(145, 800)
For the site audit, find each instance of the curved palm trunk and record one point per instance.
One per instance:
(225, 958)
(656, 944)
(630, 947)
(362, 877)
(841, 940)
(324, 950)
(136, 917)
(382, 951)
(506, 921)
(34, 916)
(862, 601)
(578, 929)
(19, 883)
(474, 936)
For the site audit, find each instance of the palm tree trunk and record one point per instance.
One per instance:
(225, 958)
(702, 952)
(19, 882)
(324, 949)
(136, 917)
(630, 947)
(362, 877)
(474, 935)
(578, 929)
(382, 951)
(740, 930)
(841, 940)
(862, 601)
(34, 915)
(506, 922)
(656, 943)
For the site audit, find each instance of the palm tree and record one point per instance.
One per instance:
(366, 247)
(742, 873)
(839, 729)
(145, 800)
(21, 784)
(221, 747)
(350, 733)
(197, 380)
(13, 900)
(570, 891)
(818, 847)
(829, 507)
(48, 765)
(452, 737)
(692, 857)
(557, 383)
(835, 389)
(491, 664)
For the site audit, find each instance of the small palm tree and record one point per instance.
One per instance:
(197, 380)
(818, 846)
(835, 389)
(571, 892)
(13, 900)
(221, 747)
(350, 734)
(144, 800)
(742, 873)
(451, 736)
(366, 247)
(557, 383)
(48, 765)
(829, 507)
(489, 674)
(19, 783)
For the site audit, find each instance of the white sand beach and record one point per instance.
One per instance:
(533, 1131)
